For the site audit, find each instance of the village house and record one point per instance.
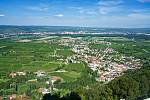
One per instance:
(41, 73)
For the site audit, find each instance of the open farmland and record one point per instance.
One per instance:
(30, 56)
(66, 63)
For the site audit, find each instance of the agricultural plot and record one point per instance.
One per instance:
(33, 58)
(30, 56)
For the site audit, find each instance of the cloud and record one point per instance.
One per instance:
(139, 15)
(2, 15)
(76, 8)
(140, 11)
(107, 10)
(110, 2)
(41, 7)
(86, 11)
(103, 7)
(109, 6)
(130, 20)
(59, 15)
(143, 1)
(38, 8)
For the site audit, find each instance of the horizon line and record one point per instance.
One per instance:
(72, 26)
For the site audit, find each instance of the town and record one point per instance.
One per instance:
(57, 63)
(107, 62)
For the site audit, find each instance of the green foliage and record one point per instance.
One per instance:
(16, 56)
(132, 85)
(68, 96)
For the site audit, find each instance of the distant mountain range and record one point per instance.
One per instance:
(58, 29)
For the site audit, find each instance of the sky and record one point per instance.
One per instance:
(85, 13)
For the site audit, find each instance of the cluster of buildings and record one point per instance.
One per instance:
(67, 41)
(71, 32)
(14, 74)
(107, 62)
(52, 80)
(15, 97)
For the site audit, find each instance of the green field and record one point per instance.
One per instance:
(15, 56)
(46, 55)
(31, 57)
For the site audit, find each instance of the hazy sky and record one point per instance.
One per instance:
(95, 13)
